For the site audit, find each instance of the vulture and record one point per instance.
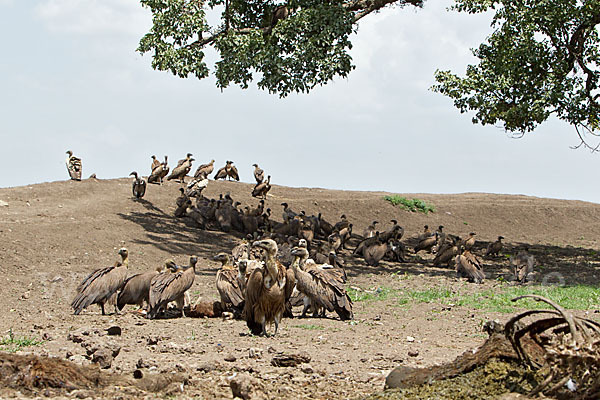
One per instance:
(323, 289)
(259, 174)
(229, 284)
(470, 242)
(288, 214)
(426, 233)
(468, 266)
(159, 172)
(232, 172)
(99, 286)
(183, 202)
(426, 241)
(324, 226)
(187, 157)
(522, 265)
(441, 239)
(396, 250)
(375, 253)
(268, 289)
(222, 172)
(168, 286)
(395, 233)
(261, 189)
(136, 289)
(345, 234)
(446, 253)
(155, 163)
(196, 186)
(181, 170)
(73, 166)
(495, 247)
(205, 169)
(370, 231)
(139, 185)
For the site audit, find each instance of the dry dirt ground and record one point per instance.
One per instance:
(54, 234)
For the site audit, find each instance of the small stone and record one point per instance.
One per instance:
(254, 353)
(138, 374)
(230, 358)
(410, 339)
(114, 331)
(307, 369)
(25, 295)
(103, 357)
(3, 203)
(207, 366)
(413, 353)
(56, 279)
(241, 386)
(151, 340)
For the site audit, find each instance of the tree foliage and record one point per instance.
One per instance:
(540, 60)
(286, 47)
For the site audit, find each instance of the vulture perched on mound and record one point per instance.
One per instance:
(181, 170)
(73, 166)
(468, 266)
(495, 247)
(323, 287)
(159, 172)
(168, 286)
(205, 169)
(99, 286)
(229, 284)
(268, 289)
(259, 174)
(155, 163)
(222, 172)
(232, 172)
(139, 185)
(261, 189)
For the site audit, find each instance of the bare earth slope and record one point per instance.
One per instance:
(53, 234)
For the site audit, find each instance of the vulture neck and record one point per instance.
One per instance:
(271, 265)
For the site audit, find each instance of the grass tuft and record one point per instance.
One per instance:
(414, 205)
(12, 343)
(310, 327)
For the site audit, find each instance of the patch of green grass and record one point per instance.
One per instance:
(310, 327)
(570, 297)
(413, 205)
(429, 295)
(12, 343)
(380, 293)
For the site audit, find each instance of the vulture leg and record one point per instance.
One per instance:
(306, 305)
(102, 307)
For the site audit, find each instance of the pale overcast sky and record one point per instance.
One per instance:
(70, 79)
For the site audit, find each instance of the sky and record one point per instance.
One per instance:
(70, 79)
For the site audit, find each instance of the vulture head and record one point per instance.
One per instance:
(189, 155)
(70, 153)
(299, 252)
(170, 264)
(123, 252)
(302, 243)
(268, 245)
(472, 234)
(500, 238)
(255, 165)
(222, 257)
(393, 221)
(135, 174)
(440, 227)
(193, 261)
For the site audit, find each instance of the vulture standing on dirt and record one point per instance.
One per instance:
(426, 241)
(323, 288)
(99, 286)
(426, 233)
(205, 169)
(446, 253)
(222, 172)
(167, 287)
(196, 186)
(371, 229)
(136, 289)
(155, 163)
(495, 247)
(139, 185)
(73, 166)
(470, 242)
(268, 289)
(375, 252)
(259, 174)
(182, 169)
(159, 172)
(228, 284)
(232, 172)
(468, 266)
(288, 214)
(261, 189)
(522, 265)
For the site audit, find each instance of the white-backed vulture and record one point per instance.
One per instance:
(99, 286)
(183, 202)
(375, 253)
(495, 247)
(259, 174)
(288, 214)
(139, 186)
(232, 172)
(261, 189)
(181, 170)
(426, 233)
(396, 251)
(155, 163)
(167, 287)
(205, 169)
(228, 284)
(426, 241)
(470, 241)
(522, 265)
(187, 157)
(446, 253)
(222, 172)
(370, 231)
(268, 288)
(323, 286)
(136, 289)
(159, 172)
(196, 186)
(468, 266)
(73, 166)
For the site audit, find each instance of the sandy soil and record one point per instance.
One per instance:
(54, 234)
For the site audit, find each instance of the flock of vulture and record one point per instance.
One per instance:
(278, 265)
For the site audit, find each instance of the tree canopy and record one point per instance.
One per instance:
(287, 47)
(541, 58)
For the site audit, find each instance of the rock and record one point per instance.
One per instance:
(289, 360)
(56, 279)
(241, 386)
(207, 366)
(138, 374)
(25, 296)
(230, 358)
(3, 203)
(413, 353)
(254, 353)
(410, 339)
(307, 369)
(114, 331)
(141, 363)
(152, 340)
(103, 357)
